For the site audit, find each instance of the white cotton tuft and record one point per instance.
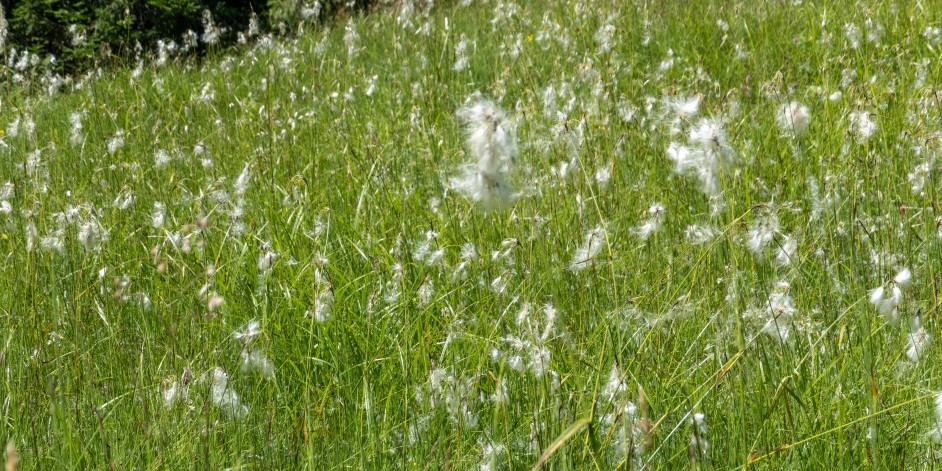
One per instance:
(698, 441)
(595, 239)
(762, 233)
(904, 278)
(157, 217)
(888, 298)
(936, 432)
(323, 305)
(707, 154)
(491, 190)
(255, 361)
(794, 118)
(876, 295)
(697, 234)
(780, 312)
(171, 393)
(711, 137)
(248, 333)
(490, 141)
(224, 396)
(685, 107)
(603, 176)
(919, 340)
(653, 222)
(862, 125)
(787, 251)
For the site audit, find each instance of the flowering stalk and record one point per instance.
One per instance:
(490, 140)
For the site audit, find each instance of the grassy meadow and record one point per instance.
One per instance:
(485, 235)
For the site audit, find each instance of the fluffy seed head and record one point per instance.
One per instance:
(489, 137)
(793, 118)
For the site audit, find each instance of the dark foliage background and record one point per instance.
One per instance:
(114, 28)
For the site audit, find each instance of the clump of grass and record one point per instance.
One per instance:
(712, 242)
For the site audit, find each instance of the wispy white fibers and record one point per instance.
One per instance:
(224, 396)
(685, 108)
(887, 298)
(707, 153)
(652, 223)
(919, 340)
(762, 233)
(710, 136)
(786, 251)
(254, 360)
(248, 332)
(490, 141)
(594, 241)
(698, 440)
(781, 312)
(324, 301)
(936, 432)
(793, 118)
(863, 125)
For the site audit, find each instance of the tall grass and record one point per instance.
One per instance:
(307, 186)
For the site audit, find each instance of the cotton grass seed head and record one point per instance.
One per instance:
(595, 240)
(793, 118)
(490, 141)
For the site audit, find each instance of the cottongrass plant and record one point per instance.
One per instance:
(653, 221)
(889, 297)
(918, 340)
(793, 118)
(490, 141)
(706, 155)
(699, 444)
(595, 240)
(297, 284)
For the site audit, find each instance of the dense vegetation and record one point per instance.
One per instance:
(487, 235)
(71, 36)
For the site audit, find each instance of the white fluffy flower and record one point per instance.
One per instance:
(919, 339)
(224, 396)
(793, 118)
(255, 361)
(491, 144)
(603, 176)
(698, 440)
(323, 305)
(157, 217)
(786, 251)
(781, 313)
(172, 393)
(594, 241)
(862, 125)
(888, 298)
(116, 141)
(707, 154)
(92, 234)
(761, 233)
(711, 137)
(248, 333)
(685, 107)
(615, 384)
(904, 278)
(936, 432)
(700, 233)
(652, 223)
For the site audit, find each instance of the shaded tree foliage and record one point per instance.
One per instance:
(81, 33)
